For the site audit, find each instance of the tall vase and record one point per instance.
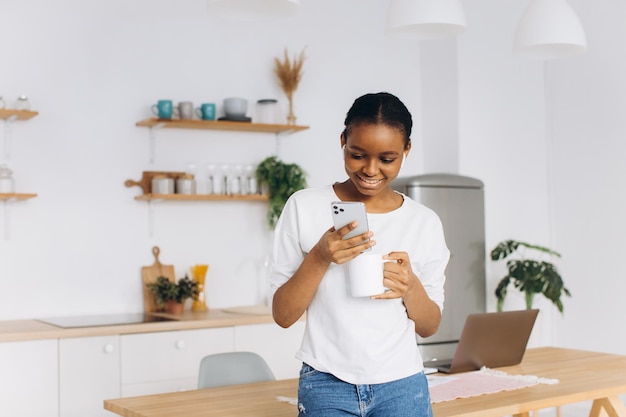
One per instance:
(291, 118)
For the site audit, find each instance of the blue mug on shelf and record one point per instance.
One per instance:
(206, 111)
(163, 109)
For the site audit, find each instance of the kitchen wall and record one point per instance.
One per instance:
(588, 150)
(502, 140)
(92, 70)
(546, 138)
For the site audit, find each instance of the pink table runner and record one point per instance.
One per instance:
(484, 381)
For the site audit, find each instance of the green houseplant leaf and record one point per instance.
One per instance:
(281, 180)
(528, 275)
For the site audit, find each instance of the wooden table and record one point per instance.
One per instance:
(583, 376)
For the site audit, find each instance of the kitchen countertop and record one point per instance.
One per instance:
(21, 330)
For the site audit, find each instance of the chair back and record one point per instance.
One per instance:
(233, 368)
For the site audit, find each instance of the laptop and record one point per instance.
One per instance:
(491, 340)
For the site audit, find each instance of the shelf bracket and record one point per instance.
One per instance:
(279, 137)
(7, 217)
(152, 144)
(150, 219)
(277, 143)
(8, 127)
(151, 204)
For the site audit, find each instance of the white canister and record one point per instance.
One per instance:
(7, 182)
(162, 184)
(186, 184)
(266, 111)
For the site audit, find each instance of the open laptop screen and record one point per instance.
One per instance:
(491, 340)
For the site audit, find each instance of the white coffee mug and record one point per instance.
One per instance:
(366, 275)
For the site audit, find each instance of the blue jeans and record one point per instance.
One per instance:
(322, 395)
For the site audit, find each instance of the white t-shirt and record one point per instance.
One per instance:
(360, 340)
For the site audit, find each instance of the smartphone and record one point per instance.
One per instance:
(345, 212)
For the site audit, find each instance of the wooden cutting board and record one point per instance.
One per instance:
(149, 275)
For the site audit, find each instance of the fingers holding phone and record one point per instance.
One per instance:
(334, 249)
(350, 221)
(360, 242)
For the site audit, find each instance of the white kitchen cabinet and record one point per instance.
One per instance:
(89, 372)
(28, 378)
(153, 363)
(69, 376)
(276, 345)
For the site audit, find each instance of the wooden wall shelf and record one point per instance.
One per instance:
(16, 196)
(18, 114)
(200, 197)
(220, 125)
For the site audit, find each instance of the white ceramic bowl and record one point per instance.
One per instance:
(235, 107)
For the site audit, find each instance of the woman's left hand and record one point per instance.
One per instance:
(398, 275)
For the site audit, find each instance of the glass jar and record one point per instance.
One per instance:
(250, 180)
(3, 103)
(7, 182)
(234, 180)
(22, 103)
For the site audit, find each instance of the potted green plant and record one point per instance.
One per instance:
(281, 180)
(171, 295)
(530, 276)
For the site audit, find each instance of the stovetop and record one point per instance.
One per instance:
(103, 320)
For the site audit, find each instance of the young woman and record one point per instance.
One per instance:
(360, 356)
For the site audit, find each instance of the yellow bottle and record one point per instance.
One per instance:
(199, 275)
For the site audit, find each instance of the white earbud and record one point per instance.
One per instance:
(403, 159)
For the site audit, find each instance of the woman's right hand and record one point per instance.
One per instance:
(333, 248)
(293, 297)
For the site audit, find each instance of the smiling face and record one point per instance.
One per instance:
(373, 155)
(376, 138)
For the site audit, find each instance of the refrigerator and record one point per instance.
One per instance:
(459, 202)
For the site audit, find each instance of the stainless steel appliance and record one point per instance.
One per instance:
(459, 202)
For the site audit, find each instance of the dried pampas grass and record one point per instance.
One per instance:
(289, 74)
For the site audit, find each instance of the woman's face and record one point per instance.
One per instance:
(373, 156)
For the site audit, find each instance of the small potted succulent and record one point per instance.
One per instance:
(530, 276)
(171, 296)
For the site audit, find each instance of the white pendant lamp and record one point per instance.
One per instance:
(425, 19)
(549, 29)
(250, 10)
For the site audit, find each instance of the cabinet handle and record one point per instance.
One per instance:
(180, 344)
(108, 348)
